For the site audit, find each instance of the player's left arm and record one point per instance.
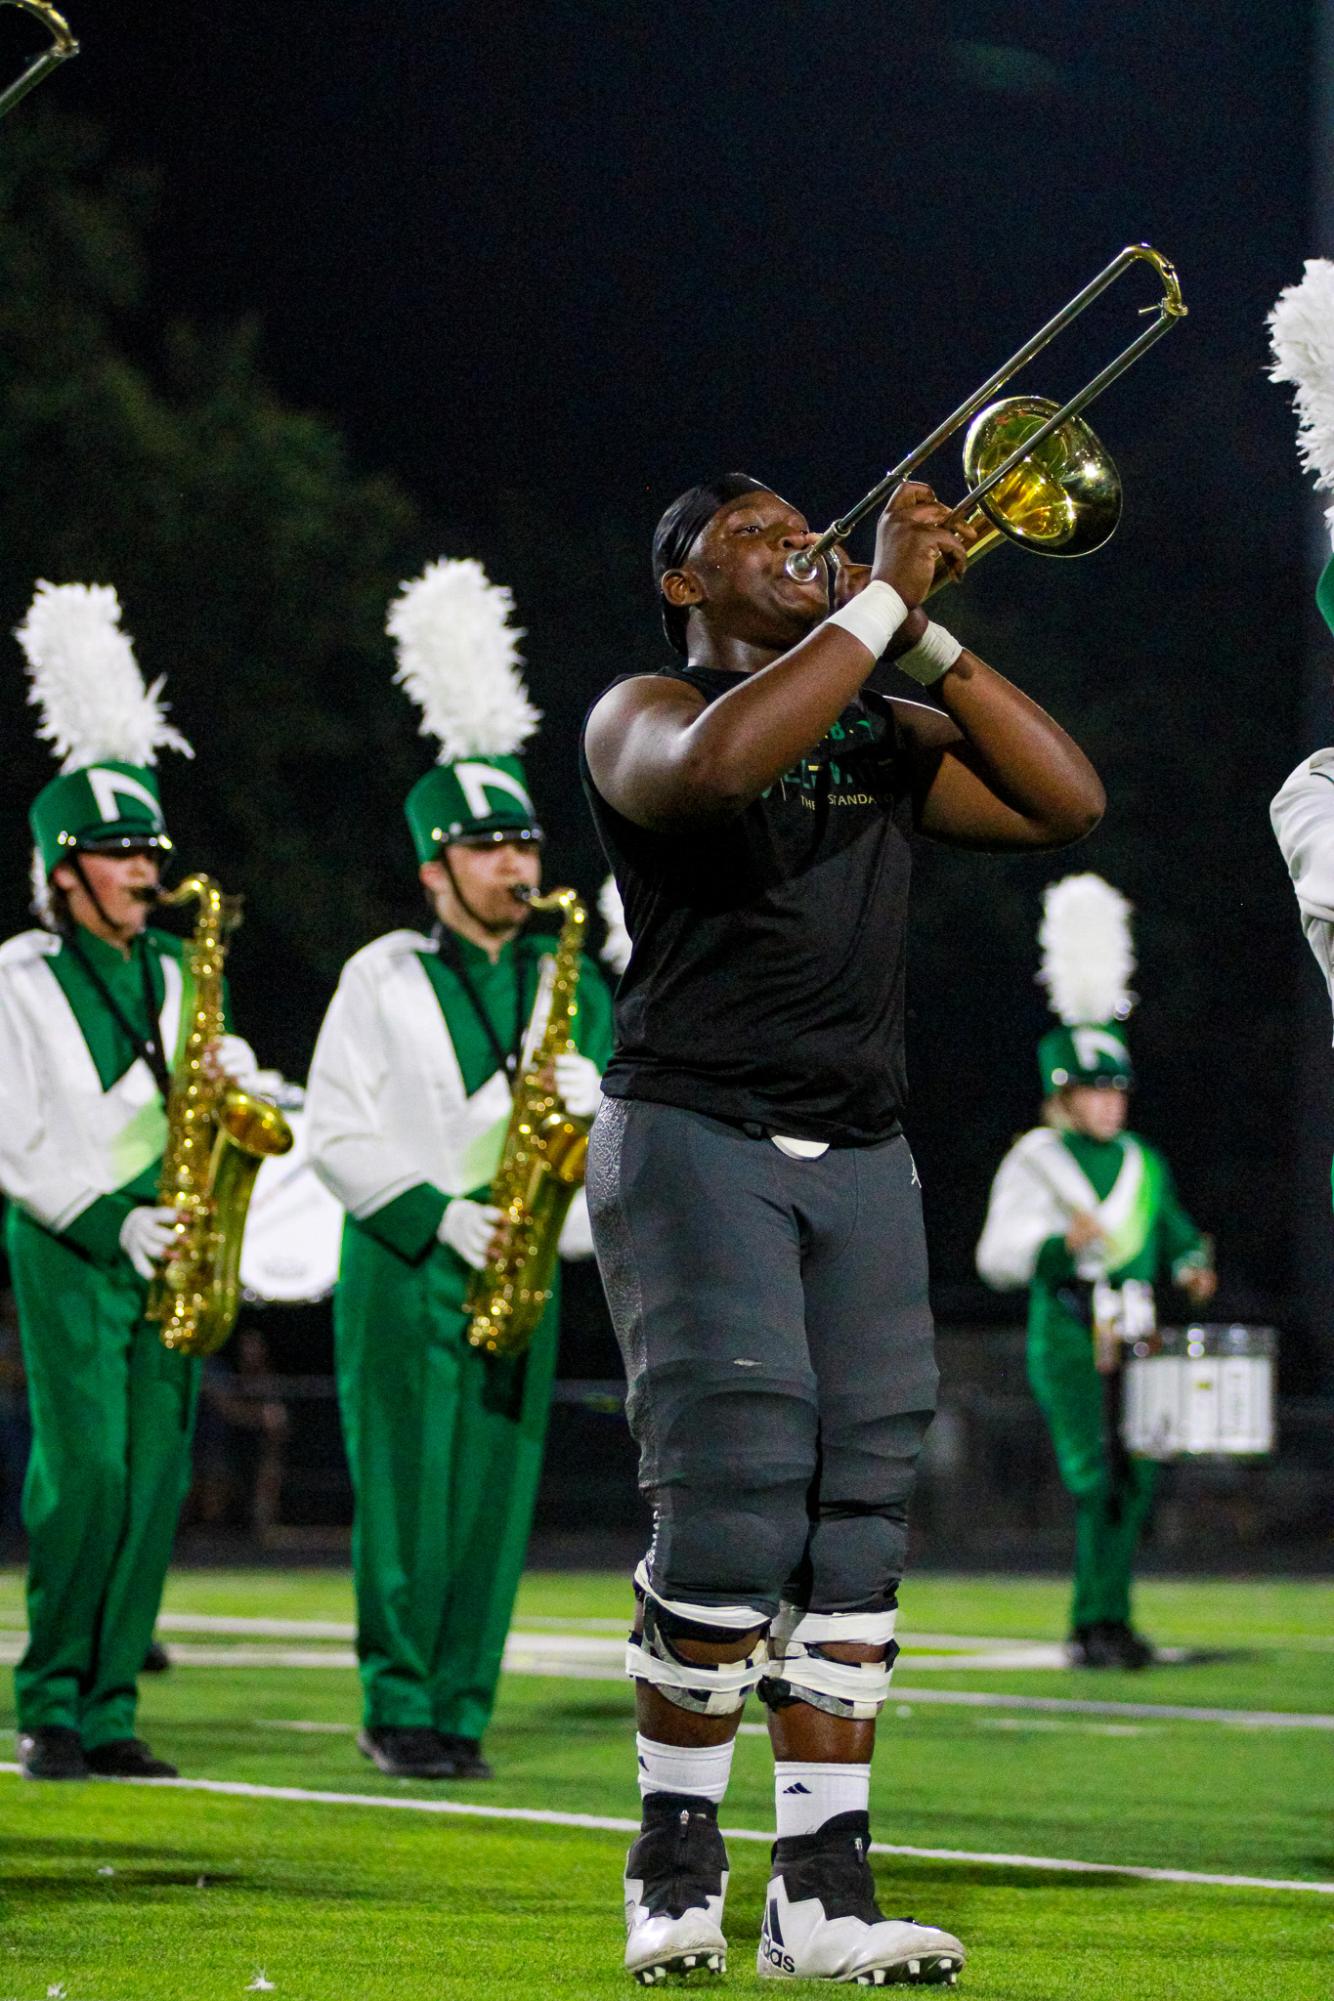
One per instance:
(990, 769)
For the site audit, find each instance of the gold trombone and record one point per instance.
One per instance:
(1035, 469)
(62, 46)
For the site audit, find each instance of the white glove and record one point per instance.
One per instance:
(468, 1227)
(579, 1083)
(232, 1057)
(576, 1236)
(146, 1236)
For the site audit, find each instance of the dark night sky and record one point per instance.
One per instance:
(550, 264)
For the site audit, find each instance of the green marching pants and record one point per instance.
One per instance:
(1112, 1492)
(112, 1416)
(445, 1449)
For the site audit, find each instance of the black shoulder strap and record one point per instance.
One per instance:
(146, 1044)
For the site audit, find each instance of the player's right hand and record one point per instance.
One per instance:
(912, 543)
(146, 1237)
(472, 1230)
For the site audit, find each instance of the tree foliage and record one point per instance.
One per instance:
(252, 559)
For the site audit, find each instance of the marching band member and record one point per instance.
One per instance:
(409, 1099)
(755, 1205)
(1086, 1216)
(1302, 812)
(90, 1013)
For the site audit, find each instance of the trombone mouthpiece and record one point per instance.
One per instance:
(801, 565)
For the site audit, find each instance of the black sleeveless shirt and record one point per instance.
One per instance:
(766, 980)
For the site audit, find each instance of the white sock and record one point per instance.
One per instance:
(676, 1768)
(809, 1795)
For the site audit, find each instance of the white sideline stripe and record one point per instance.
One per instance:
(557, 1632)
(340, 1629)
(1070, 1705)
(256, 1629)
(547, 1667)
(606, 1824)
(568, 1634)
(579, 1655)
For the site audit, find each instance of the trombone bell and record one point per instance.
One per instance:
(1049, 449)
(1062, 499)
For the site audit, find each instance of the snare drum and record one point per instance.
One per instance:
(294, 1229)
(1200, 1393)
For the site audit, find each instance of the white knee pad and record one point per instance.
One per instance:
(800, 1671)
(709, 1689)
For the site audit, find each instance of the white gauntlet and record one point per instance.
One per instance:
(146, 1237)
(579, 1082)
(232, 1057)
(468, 1227)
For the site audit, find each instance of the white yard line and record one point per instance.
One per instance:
(527, 1654)
(256, 1629)
(1172, 1712)
(604, 1823)
(555, 1633)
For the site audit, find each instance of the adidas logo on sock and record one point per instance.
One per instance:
(796, 1788)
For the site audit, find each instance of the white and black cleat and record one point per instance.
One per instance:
(675, 1884)
(821, 1920)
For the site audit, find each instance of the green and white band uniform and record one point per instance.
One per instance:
(408, 1102)
(84, 1026)
(82, 1129)
(1090, 1299)
(1127, 1185)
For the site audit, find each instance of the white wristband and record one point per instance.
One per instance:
(874, 616)
(934, 654)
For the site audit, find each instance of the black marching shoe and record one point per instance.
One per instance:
(1108, 1644)
(467, 1755)
(128, 1758)
(414, 1753)
(51, 1753)
(675, 1884)
(822, 1922)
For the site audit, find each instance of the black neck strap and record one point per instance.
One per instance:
(146, 1044)
(506, 1059)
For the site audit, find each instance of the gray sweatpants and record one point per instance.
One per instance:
(773, 1320)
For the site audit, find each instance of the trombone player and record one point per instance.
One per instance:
(409, 1100)
(755, 1206)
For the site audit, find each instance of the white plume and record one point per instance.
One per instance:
(617, 946)
(86, 680)
(1087, 955)
(1301, 329)
(458, 658)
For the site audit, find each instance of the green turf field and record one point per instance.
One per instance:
(120, 1893)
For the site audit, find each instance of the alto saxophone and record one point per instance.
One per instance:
(540, 1168)
(217, 1135)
